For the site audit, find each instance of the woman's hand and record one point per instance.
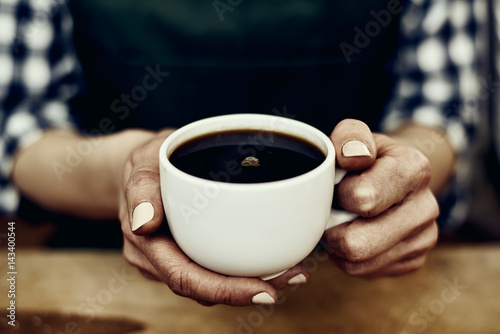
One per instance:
(390, 191)
(156, 254)
(119, 173)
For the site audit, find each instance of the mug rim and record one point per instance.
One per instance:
(202, 124)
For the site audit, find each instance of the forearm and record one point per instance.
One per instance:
(72, 174)
(433, 144)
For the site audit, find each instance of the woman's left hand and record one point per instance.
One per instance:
(389, 189)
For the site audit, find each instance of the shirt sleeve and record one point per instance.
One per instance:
(436, 69)
(39, 74)
(437, 85)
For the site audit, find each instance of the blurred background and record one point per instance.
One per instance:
(114, 62)
(66, 264)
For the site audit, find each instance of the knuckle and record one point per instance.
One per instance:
(353, 269)
(176, 285)
(367, 198)
(124, 223)
(138, 156)
(415, 264)
(435, 235)
(205, 303)
(131, 258)
(224, 293)
(353, 247)
(178, 282)
(400, 171)
(182, 283)
(433, 206)
(149, 275)
(428, 205)
(141, 178)
(420, 165)
(430, 238)
(176, 288)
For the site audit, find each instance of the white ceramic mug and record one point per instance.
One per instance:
(251, 229)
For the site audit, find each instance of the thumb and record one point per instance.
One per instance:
(354, 145)
(144, 202)
(142, 190)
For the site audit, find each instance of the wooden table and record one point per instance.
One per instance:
(458, 291)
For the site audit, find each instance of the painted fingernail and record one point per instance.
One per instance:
(142, 214)
(263, 298)
(355, 148)
(365, 198)
(298, 279)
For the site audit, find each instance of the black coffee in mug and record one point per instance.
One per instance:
(246, 156)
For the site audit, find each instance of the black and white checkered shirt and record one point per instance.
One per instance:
(435, 70)
(38, 74)
(437, 85)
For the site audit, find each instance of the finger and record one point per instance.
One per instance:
(399, 268)
(149, 276)
(354, 145)
(403, 168)
(142, 189)
(137, 259)
(366, 238)
(205, 303)
(188, 279)
(406, 256)
(402, 267)
(296, 275)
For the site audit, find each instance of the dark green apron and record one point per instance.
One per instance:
(316, 61)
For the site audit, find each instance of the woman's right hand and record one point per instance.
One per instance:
(157, 256)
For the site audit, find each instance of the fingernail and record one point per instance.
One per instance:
(365, 198)
(298, 279)
(263, 298)
(355, 148)
(142, 214)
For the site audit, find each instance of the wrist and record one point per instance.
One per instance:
(432, 142)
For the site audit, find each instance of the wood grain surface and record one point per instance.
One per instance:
(92, 291)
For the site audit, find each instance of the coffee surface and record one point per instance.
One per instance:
(246, 156)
